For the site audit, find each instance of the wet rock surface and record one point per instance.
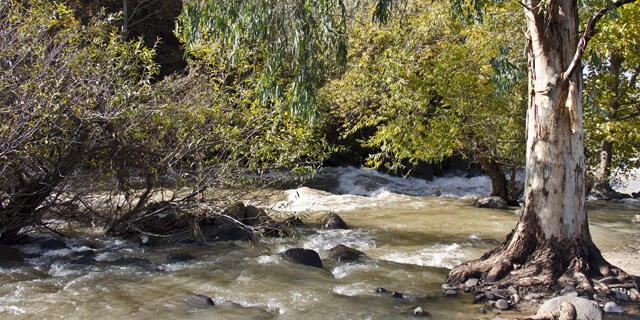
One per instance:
(53, 244)
(490, 203)
(303, 256)
(333, 221)
(585, 309)
(344, 253)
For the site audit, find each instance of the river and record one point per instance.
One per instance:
(411, 230)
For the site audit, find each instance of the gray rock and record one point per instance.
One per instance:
(502, 304)
(450, 293)
(533, 296)
(636, 219)
(304, 256)
(344, 253)
(491, 202)
(585, 309)
(489, 295)
(612, 307)
(333, 221)
(621, 294)
(602, 191)
(200, 301)
(471, 282)
(446, 286)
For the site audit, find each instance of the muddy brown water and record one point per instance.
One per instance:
(410, 241)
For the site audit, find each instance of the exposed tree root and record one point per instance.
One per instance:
(525, 260)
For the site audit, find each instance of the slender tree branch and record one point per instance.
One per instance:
(589, 32)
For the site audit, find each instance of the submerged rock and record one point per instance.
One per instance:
(491, 203)
(178, 257)
(53, 244)
(585, 309)
(333, 221)
(603, 191)
(304, 256)
(200, 301)
(344, 253)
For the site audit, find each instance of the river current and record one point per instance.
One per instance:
(411, 230)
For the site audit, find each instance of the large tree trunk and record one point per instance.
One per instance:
(551, 244)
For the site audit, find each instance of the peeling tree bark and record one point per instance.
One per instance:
(551, 242)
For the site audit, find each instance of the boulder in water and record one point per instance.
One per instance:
(502, 304)
(344, 253)
(491, 203)
(585, 309)
(200, 301)
(602, 191)
(636, 219)
(334, 221)
(419, 312)
(304, 256)
(53, 244)
(178, 257)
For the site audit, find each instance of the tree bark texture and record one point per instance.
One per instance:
(551, 244)
(498, 179)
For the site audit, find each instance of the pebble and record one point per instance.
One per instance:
(612, 307)
(502, 304)
(621, 294)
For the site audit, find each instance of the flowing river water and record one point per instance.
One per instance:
(411, 230)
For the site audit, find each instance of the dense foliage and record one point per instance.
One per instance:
(430, 87)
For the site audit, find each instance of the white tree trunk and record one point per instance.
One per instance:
(554, 187)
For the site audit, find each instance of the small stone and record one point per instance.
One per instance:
(381, 290)
(450, 293)
(612, 307)
(471, 282)
(419, 312)
(446, 286)
(500, 293)
(491, 202)
(534, 296)
(569, 290)
(636, 219)
(397, 295)
(516, 298)
(512, 290)
(490, 295)
(502, 304)
(621, 294)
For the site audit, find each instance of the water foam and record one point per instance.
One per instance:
(437, 255)
(349, 189)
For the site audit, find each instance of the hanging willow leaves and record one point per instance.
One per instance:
(297, 40)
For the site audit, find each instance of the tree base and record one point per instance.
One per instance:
(546, 266)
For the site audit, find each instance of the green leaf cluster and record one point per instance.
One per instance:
(426, 85)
